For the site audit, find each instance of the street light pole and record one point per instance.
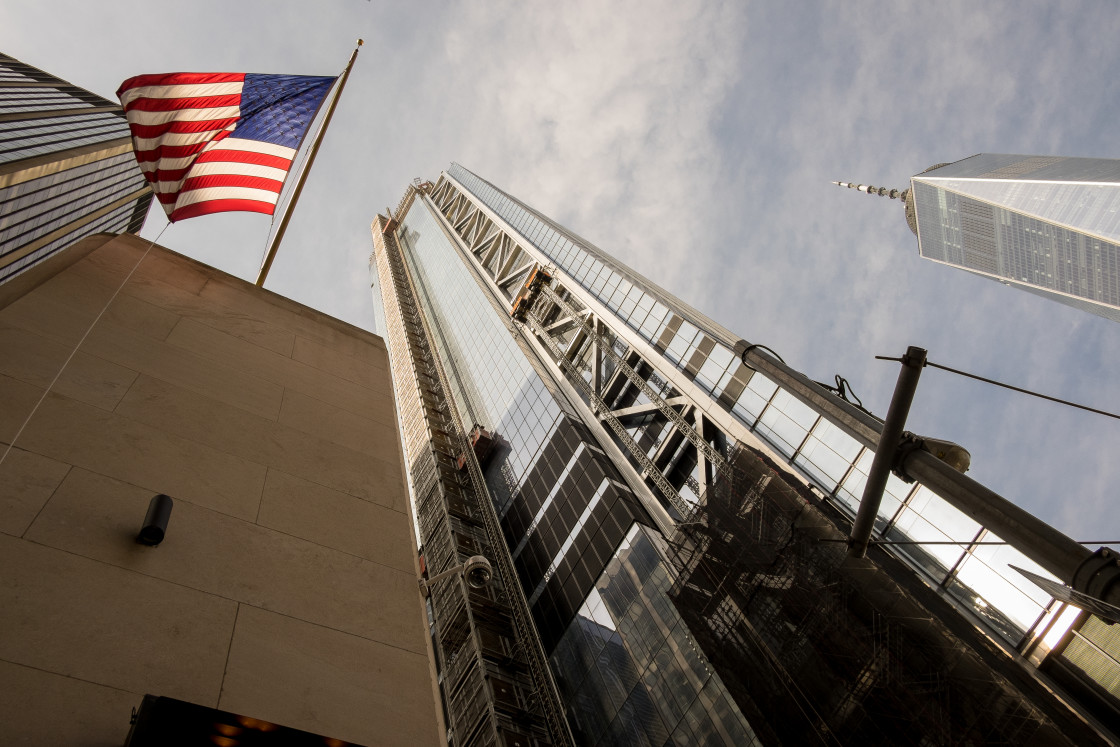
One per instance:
(889, 440)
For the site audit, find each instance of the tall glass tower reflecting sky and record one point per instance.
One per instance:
(66, 167)
(667, 523)
(1048, 225)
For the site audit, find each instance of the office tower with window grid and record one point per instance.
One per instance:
(1047, 225)
(666, 507)
(66, 167)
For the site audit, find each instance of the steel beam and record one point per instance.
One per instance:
(1036, 539)
(701, 445)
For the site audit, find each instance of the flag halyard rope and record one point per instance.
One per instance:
(73, 352)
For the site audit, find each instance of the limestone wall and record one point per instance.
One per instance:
(285, 589)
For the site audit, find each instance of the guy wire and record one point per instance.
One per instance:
(73, 352)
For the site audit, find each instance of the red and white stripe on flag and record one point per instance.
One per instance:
(187, 134)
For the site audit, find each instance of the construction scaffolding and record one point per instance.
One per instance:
(494, 679)
(820, 648)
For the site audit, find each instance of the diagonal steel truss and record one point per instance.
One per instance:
(643, 404)
(646, 408)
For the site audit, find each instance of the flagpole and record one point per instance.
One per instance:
(275, 244)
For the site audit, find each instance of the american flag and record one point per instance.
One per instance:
(212, 142)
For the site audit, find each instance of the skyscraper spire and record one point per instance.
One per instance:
(894, 194)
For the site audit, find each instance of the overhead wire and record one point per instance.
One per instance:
(1009, 386)
(843, 388)
(960, 542)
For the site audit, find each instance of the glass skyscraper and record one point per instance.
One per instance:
(66, 167)
(1048, 225)
(666, 512)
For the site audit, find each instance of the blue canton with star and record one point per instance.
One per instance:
(279, 108)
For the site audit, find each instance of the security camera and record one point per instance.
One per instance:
(478, 572)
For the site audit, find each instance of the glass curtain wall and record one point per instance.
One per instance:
(66, 167)
(977, 576)
(573, 528)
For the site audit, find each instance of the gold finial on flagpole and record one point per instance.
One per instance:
(360, 42)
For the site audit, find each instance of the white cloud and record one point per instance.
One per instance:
(581, 94)
(696, 142)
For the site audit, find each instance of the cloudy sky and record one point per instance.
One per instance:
(695, 141)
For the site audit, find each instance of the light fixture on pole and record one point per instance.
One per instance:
(476, 570)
